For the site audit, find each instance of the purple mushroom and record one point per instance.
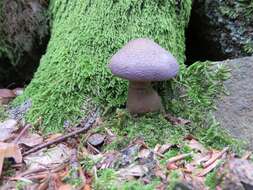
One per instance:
(142, 61)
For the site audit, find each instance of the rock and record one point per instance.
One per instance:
(24, 33)
(18, 112)
(7, 128)
(96, 139)
(235, 111)
(226, 27)
(236, 174)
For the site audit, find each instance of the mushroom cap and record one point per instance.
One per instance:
(143, 60)
(6, 93)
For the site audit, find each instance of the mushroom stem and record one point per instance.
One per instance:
(142, 98)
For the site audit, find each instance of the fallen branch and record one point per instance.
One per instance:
(178, 158)
(22, 133)
(86, 126)
(214, 158)
(209, 168)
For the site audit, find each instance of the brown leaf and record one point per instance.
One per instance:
(195, 145)
(31, 139)
(162, 148)
(177, 120)
(9, 150)
(172, 166)
(49, 157)
(7, 128)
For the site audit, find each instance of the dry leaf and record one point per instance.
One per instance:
(9, 150)
(195, 145)
(56, 155)
(176, 120)
(161, 149)
(31, 139)
(7, 128)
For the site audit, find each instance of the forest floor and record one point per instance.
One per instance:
(99, 154)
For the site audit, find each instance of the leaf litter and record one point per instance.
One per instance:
(54, 161)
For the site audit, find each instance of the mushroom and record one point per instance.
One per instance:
(142, 61)
(6, 96)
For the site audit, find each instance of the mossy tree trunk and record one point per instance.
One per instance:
(84, 35)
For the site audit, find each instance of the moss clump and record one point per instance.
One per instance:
(107, 180)
(3, 114)
(85, 34)
(195, 91)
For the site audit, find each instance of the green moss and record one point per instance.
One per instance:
(3, 114)
(85, 34)
(194, 94)
(211, 180)
(242, 9)
(107, 180)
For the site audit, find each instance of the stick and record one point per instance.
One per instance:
(209, 168)
(213, 159)
(86, 126)
(179, 157)
(21, 133)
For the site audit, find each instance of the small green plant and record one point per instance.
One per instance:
(107, 180)
(211, 180)
(248, 47)
(21, 184)
(3, 114)
(73, 181)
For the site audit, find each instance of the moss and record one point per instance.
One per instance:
(107, 180)
(85, 34)
(195, 91)
(3, 114)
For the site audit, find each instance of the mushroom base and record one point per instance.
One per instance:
(142, 98)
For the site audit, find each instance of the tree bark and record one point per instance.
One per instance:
(73, 75)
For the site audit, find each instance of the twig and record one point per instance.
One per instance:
(178, 158)
(208, 169)
(74, 163)
(214, 158)
(247, 155)
(87, 125)
(21, 133)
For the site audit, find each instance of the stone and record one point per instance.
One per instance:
(236, 174)
(96, 139)
(235, 111)
(225, 27)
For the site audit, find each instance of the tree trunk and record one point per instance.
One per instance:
(73, 75)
